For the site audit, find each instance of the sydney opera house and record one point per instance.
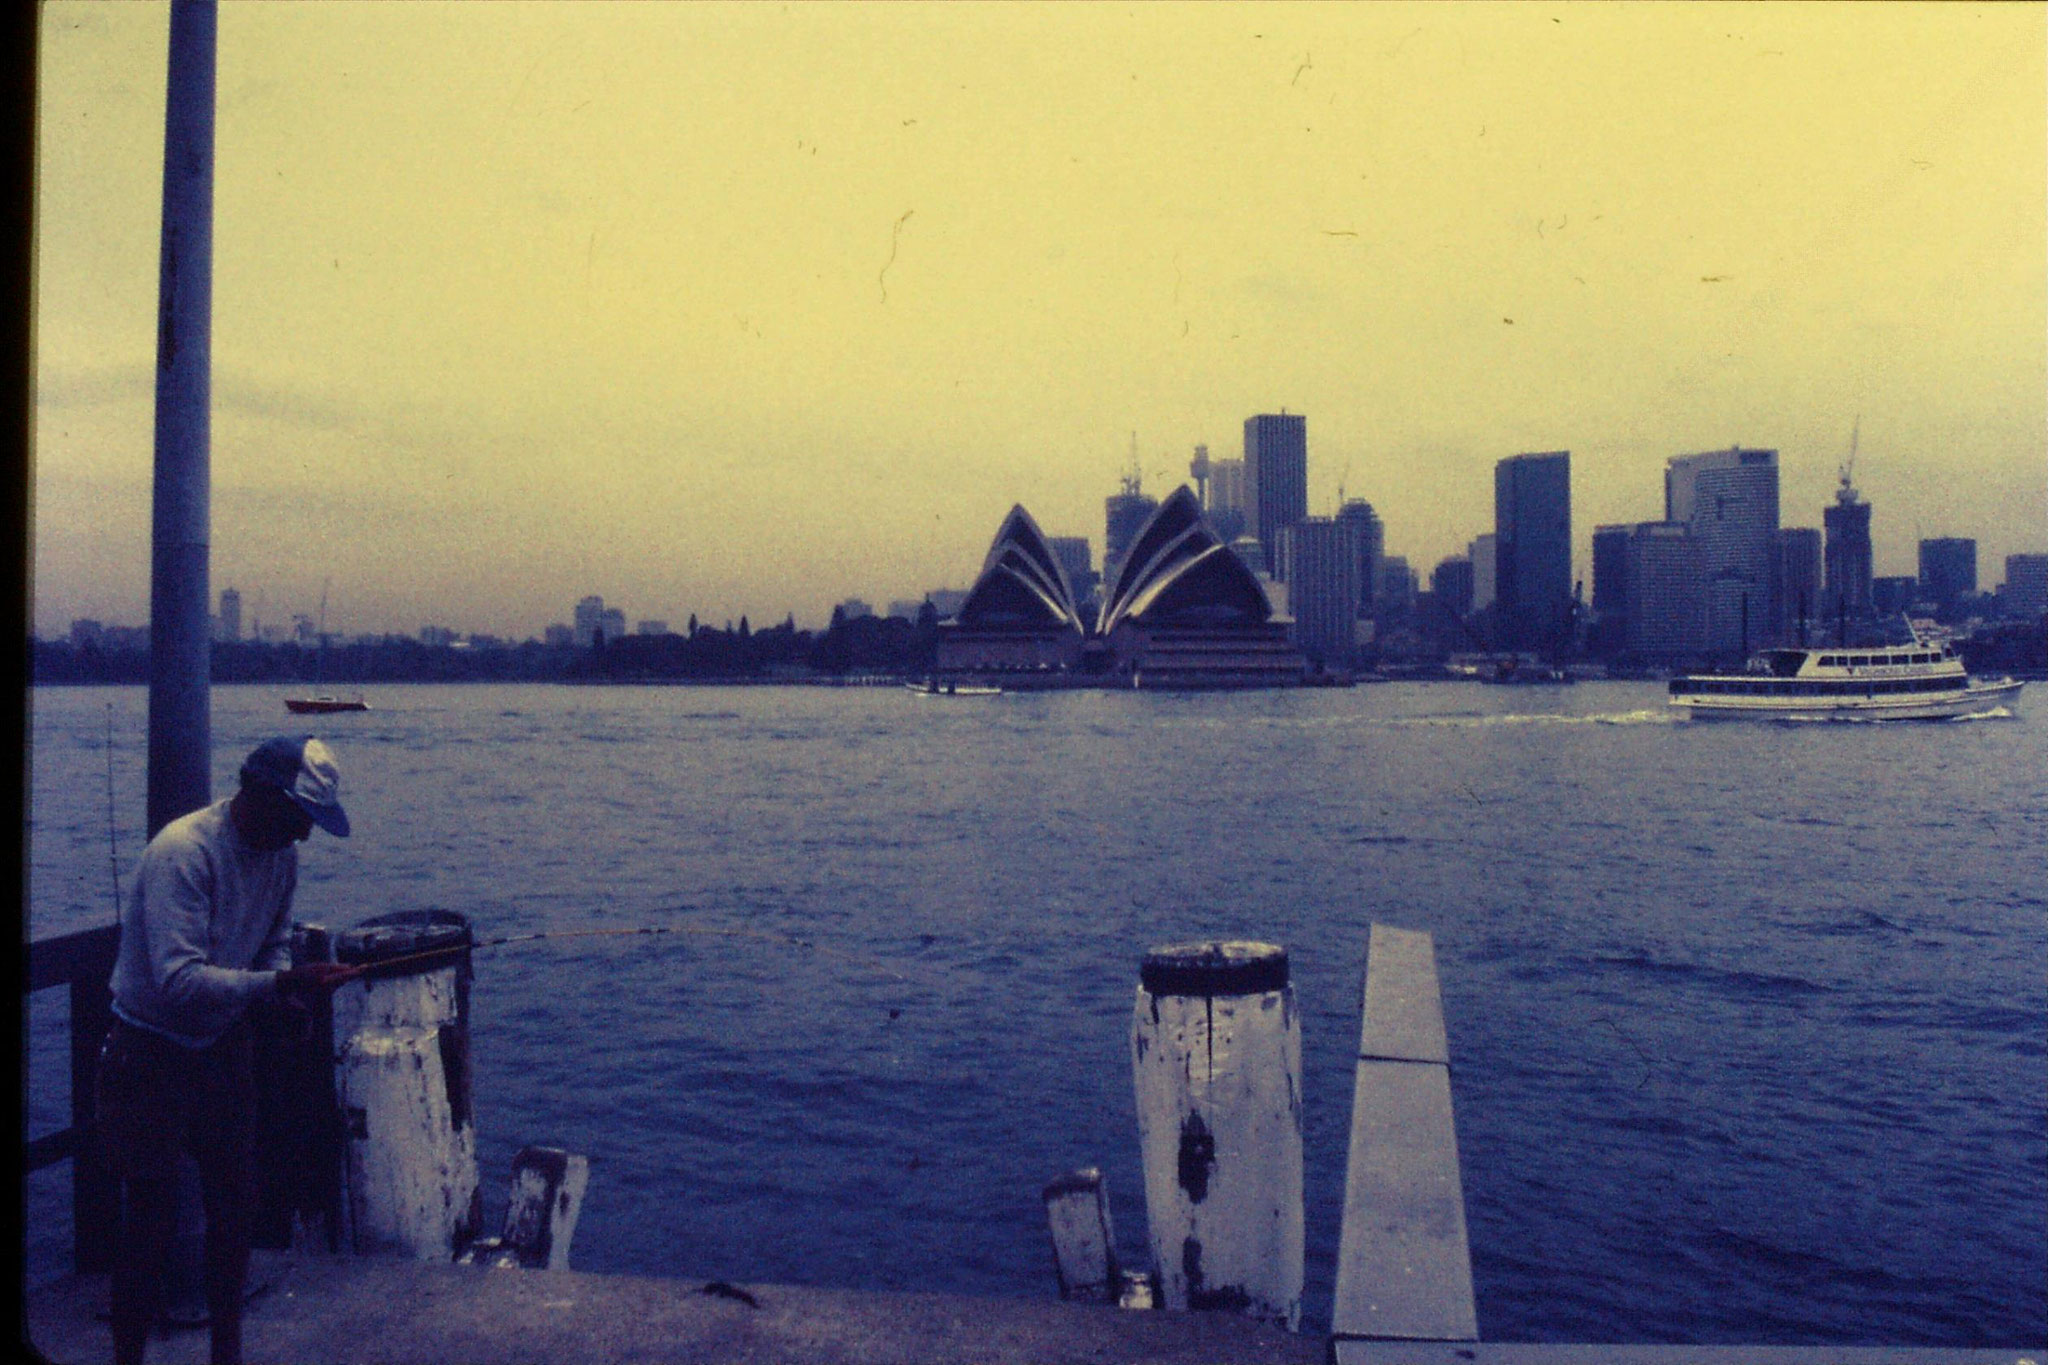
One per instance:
(1181, 611)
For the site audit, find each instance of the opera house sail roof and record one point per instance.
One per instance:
(1021, 585)
(1179, 573)
(1182, 612)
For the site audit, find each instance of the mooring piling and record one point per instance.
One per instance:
(1216, 1060)
(1083, 1239)
(402, 1075)
(540, 1217)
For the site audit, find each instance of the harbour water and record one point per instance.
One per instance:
(1748, 1023)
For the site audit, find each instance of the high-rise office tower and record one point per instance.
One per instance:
(1730, 500)
(589, 621)
(1276, 476)
(1610, 589)
(1799, 583)
(1393, 592)
(1372, 541)
(230, 615)
(1319, 563)
(1481, 553)
(1660, 601)
(2026, 585)
(1610, 569)
(1451, 583)
(1124, 515)
(1948, 569)
(1075, 562)
(1532, 573)
(1226, 505)
(1847, 552)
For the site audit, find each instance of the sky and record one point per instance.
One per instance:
(746, 309)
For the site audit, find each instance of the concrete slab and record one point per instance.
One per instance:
(373, 1311)
(1480, 1353)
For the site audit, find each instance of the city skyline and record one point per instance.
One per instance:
(737, 313)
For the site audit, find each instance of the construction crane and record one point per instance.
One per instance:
(1846, 494)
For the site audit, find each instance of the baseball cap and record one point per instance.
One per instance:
(304, 770)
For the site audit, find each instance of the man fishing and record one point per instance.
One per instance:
(206, 933)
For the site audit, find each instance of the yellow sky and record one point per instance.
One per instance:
(747, 309)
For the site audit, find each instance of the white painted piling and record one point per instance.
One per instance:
(1404, 1268)
(540, 1217)
(402, 1074)
(1083, 1239)
(1216, 1058)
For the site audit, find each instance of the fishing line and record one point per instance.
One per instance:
(765, 935)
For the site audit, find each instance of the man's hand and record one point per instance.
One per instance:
(310, 980)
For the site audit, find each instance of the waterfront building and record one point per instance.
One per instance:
(1320, 560)
(1847, 552)
(1892, 594)
(1372, 543)
(946, 601)
(1730, 500)
(1182, 611)
(853, 609)
(1276, 477)
(230, 618)
(437, 637)
(1610, 586)
(559, 635)
(1660, 603)
(1185, 612)
(1020, 615)
(2025, 592)
(1948, 569)
(86, 633)
(1481, 553)
(613, 624)
(1799, 583)
(1532, 526)
(651, 628)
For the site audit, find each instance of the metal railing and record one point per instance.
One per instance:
(82, 961)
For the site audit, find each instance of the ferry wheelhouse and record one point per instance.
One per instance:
(1918, 681)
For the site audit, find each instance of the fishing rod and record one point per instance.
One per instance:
(766, 936)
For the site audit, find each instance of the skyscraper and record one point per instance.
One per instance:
(1532, 527)
(589, 621)
(230, 615)
(1730, 500)
(1451, 583)
(1848, 553)
(2026, 584)
(1319, 560)
(1358, 513)
(1124, 515)
(1660, 602)
(1226, 504)
(1799, 582)
(1276, 477)
(1609, 632)
(1948, 569)
(1075, 562)
(1481, 552)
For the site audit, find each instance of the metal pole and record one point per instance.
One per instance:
(180, 655)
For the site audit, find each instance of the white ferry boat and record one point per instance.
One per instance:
(1917, 681)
